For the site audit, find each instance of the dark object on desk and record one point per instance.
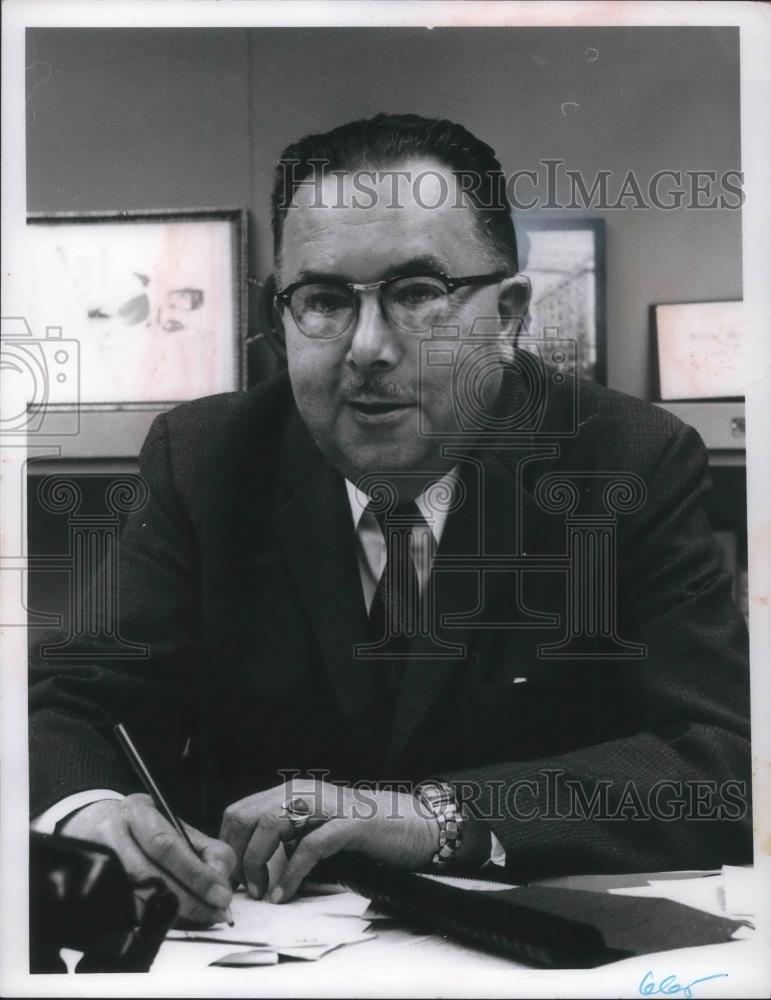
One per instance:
(81, 898)
(551, 928)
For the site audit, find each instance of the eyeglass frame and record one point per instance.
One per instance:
(453, 284)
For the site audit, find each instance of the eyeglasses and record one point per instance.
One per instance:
(415, 303)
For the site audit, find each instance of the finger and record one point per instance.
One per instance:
(158, 839)
(139, 867)
(239, 821)
(336, 835)
(271, 829)
(217, 854)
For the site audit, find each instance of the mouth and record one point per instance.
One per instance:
(379, 410)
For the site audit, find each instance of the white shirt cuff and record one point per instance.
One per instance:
(497, 853)
(46, 821)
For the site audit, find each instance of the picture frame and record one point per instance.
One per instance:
(149, 306)
(700, 350)
(565, 260)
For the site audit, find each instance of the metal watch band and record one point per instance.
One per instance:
(440, 799)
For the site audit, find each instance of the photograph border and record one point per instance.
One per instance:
(756, 219)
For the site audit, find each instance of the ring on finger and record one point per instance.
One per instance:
(298, 812)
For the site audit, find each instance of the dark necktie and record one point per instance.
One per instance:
(394, 616)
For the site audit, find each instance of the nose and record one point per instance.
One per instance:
(374, 343)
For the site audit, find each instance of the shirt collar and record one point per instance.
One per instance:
(441, 493)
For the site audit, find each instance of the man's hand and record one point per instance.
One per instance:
(148, 846)
(386, 826)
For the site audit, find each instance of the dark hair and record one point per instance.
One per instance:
(386, 140)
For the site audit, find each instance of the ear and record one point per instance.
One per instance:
(513, 300)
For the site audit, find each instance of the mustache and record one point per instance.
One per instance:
(375, 388)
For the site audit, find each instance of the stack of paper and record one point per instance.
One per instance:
(306, 928)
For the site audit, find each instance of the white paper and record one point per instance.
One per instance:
(318, 921)
(740, 886)
(470, 884)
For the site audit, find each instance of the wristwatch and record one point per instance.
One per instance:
(440, 798)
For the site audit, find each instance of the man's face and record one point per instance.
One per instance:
(369, 405)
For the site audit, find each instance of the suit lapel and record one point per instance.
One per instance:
(498, 516)
(315, 533)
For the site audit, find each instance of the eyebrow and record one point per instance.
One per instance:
(415, 265)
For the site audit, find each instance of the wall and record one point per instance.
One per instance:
(129, 119)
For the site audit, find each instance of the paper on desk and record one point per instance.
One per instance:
(307, 928)
(339, 904)
(740, 887)
(311, 953)
(269, 955)
(315, 921)
(238, 959)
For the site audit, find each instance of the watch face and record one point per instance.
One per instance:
(434, 795)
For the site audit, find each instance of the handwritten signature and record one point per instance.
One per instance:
(670, 985)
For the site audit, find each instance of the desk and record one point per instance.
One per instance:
(403, 963)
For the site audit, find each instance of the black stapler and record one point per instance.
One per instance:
(81, 898)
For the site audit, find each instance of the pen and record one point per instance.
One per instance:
(133, 755)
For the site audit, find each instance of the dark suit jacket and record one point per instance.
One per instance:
(240, 577)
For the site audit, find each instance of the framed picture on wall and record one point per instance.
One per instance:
(565, 261)
(153, 303)
(701, 350)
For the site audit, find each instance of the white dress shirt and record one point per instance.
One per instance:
(425, 538)
(434, 504)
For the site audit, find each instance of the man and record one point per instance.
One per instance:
(419, 555)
